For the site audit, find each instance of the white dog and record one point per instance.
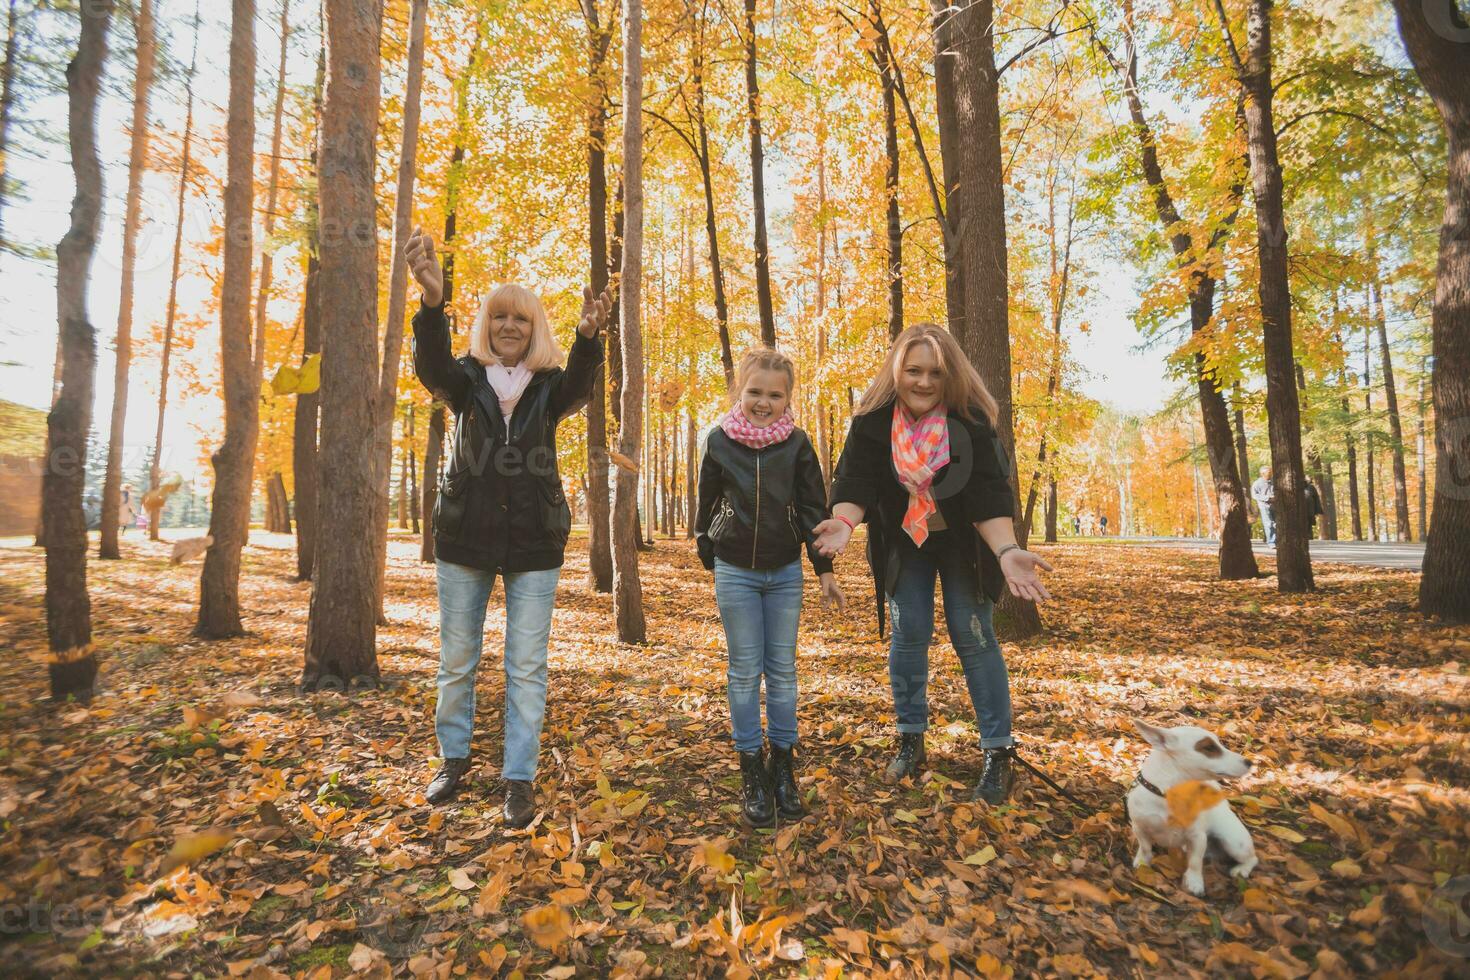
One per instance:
(1179, 755)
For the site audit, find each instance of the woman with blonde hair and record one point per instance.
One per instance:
(500, 508)
(760, 502)
(923, 467)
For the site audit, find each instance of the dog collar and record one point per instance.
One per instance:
(1140, 781)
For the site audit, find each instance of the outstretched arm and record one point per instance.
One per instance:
(574, 385)
(433, 361)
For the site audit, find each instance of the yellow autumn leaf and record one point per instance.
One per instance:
(982, 857)
(194, 847)
(1189, 799)
(548, 926)
(622, 461)
(1285, 833)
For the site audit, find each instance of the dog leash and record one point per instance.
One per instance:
(1036, 771)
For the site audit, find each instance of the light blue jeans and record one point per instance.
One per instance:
(761, 609)
(463, 595)
(967, 612)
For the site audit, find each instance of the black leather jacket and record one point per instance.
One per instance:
(500, 505)
(757, 507)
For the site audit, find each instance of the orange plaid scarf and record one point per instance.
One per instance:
(920, 449)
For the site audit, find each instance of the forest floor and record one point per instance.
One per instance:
(308, 849)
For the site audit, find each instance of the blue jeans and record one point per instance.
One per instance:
(911, 615)
(1268, 522)
(760, 609)
(463, 595)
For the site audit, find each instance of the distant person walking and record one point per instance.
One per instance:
(1314, 508)
(127, 509)
(1076, 526)
(1103, 524)
(1263, 492)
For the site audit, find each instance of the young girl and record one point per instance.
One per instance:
(923, 467)
(760, 500)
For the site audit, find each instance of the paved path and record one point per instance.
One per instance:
(1406, 557)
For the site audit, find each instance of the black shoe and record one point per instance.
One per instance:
(783, 781)
(520, 803)
(757, 803)
(910, 759)
(446, 780)
(997, 778)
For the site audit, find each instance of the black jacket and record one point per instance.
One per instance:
(973, 487)
(500, 505)
(757, 507)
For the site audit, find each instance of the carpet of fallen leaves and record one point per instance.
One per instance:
(202, 817)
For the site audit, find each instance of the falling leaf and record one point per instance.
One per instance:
(622, 461)
(194, 847)
(547, 926)
(1187, 800)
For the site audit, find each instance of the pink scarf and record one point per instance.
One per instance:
(920, 449)
(509, 384)
(739, 428)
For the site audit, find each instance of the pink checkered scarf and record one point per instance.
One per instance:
(739, 428)
(920, 449)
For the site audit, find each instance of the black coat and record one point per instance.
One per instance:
(973, 487)
(757, 507)
(500, 505)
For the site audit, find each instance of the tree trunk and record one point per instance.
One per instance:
(1283, 414)
(758, 183)
(599, 530)
(1242, 453)
(1329, 501)
(1352, 477)
(267, 256)
(1371, 483)
(1051, 510)
(883, 58)
(413, 472)
(945, 100)
(1395, 423)
(305, 478)
(73, 663)
(627, 589)
(1434, 34)
(985, 336)
(234, 461)
(7, 100)
(717, 273)
(387, 401)
(341, 625)
(1237, 560)
(403, 457)
(824, 414)
(155, 472)
(1422, 459)
(132, 219)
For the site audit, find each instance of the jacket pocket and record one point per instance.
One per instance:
(450, 504)
(556, 514)
(720, 523)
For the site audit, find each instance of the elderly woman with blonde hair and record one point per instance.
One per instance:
(500, 508)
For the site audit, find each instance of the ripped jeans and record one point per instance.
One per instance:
(967, 612)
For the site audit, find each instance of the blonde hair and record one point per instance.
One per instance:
(763, 359)
(963, 389)
(541, 353)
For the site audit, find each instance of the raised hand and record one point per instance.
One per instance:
(1020, 572)
(594, 311)
(424, 264)
(831, 536)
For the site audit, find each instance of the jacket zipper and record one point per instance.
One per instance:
(755, 533)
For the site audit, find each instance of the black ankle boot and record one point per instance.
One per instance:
(783, 780)
(757, 803)
(910, 758)
(997, 778)
(520, 803)
(446, 781)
